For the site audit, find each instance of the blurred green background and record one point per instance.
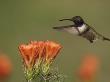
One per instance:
(24, 20)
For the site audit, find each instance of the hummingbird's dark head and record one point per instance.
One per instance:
(78, 20)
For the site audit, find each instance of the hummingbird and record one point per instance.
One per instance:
(82, 29)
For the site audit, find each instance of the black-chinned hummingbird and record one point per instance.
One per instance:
(82, 29)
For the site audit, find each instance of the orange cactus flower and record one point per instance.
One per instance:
(51, 50)
(31, 53)
(5, 66)
(38, 53)
(39, 47)
(88, 67)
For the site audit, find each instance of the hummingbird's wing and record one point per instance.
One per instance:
(97, 35)
(70, 29)
(62, 27)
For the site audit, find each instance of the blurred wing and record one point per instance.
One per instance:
(70, 29)
(93, 30)
(62, 27)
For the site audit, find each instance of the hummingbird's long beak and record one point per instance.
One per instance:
(65, 19)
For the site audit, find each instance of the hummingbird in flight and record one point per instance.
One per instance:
(81, 29)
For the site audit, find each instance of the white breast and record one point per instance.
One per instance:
(73, 30)
(82, 28)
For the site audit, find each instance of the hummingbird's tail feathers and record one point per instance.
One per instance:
(104, 38)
